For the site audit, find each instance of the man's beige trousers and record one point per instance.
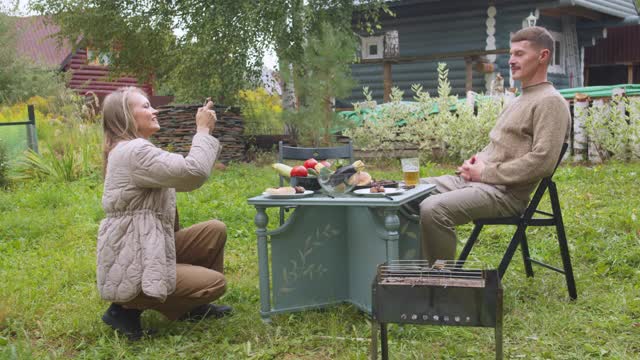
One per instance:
(199, 271)
(458, 202)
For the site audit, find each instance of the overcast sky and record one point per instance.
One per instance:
(6, 5)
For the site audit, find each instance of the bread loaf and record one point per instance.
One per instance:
(284, 190)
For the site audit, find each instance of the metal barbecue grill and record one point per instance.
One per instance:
(451, 293)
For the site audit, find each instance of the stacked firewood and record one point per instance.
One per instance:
(178, 125)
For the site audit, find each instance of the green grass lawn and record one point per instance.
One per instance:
(50, 308)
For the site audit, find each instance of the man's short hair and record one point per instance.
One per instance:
(537, 35)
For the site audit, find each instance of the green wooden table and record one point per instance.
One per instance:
(328, 250)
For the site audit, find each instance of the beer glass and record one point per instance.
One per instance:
(410, 170)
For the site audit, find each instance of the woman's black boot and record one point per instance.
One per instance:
(125, 321)
(205, 311)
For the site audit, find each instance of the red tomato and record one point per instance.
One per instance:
(310, 163)
(299, 170)
(325, 163)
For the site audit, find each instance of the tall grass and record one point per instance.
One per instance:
(50, 309)
(69, 135)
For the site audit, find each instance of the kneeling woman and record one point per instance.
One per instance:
(144, 260)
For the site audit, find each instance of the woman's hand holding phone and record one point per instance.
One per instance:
(206, 117)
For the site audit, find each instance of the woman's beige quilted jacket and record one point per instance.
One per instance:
(136, 244)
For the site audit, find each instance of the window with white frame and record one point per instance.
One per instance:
(95, 57)
(557, 63)
(372, 47)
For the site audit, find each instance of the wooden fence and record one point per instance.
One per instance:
(178, 125)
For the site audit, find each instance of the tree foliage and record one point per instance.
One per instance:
(196, 47)
(262, 112)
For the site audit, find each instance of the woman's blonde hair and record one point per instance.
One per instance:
(118, 123)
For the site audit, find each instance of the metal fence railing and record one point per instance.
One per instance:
(17, 142)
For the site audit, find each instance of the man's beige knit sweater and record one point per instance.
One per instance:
(526, 141)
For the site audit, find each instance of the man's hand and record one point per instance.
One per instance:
(463, 173)
(471, 170)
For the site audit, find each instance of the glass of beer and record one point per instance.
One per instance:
(410, 171)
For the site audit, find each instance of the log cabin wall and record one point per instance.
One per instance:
(87, 79)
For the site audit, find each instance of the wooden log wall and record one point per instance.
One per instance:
(178, 125)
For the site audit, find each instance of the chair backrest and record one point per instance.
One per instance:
(542, 187)
(562, 152)
(318, 153)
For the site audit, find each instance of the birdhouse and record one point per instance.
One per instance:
(391, 44)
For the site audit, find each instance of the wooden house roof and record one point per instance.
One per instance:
(34, 40)
(619, 8)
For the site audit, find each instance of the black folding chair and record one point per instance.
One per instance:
(520, 238)
(304, 153)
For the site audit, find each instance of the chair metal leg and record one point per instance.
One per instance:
(469, 245)
(511, 249)
(562, 242)
(526, 256)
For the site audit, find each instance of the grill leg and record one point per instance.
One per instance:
(469, 245)
(499, 318)
(374, 340)
(383, 341)
(562, 241)
(526, 256)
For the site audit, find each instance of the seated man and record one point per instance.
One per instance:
(524, 147)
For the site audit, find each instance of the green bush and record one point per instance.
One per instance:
(440, 127)
(614, 127)
(262, 112)
(457, 134)
(70, 164)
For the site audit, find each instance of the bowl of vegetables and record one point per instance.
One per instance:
(341, 180)
(308, 182)
(301, 175)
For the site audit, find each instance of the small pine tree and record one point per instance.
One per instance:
(325, 74)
